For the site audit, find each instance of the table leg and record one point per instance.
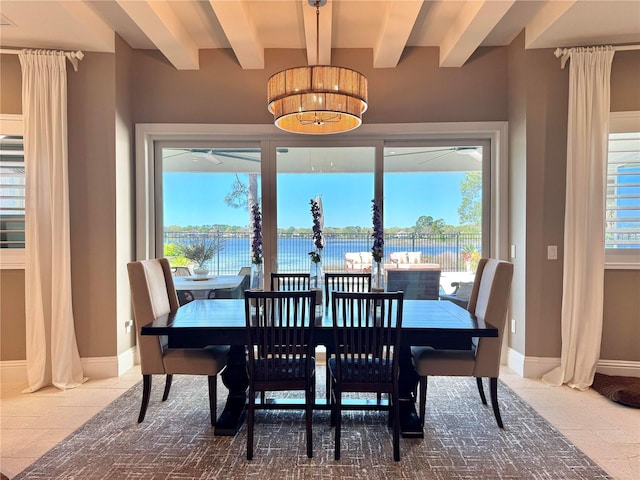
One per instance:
(410, 426)
(235, 379)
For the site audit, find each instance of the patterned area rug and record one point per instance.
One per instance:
(176, 441)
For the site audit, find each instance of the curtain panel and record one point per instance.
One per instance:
(52, 351)
(586, 187)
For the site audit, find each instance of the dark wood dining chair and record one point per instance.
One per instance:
(153, 295)
(343, 282)
(280, 327)
(489, 302)
(290, 281)
(366, 329)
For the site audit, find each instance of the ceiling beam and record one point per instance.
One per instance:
(400, 18)
(546, 17)
(323, 55)
(94, 26)
(158, 22)
(472, 25)
(240, 31)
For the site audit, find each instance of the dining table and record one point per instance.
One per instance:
(207, 282)
(436, 323)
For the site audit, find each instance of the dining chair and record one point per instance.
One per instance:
(342, 282)
(153, 296)
(489, 302)
(280, 329)
(290, 281)
(366, 328)
(345, 282)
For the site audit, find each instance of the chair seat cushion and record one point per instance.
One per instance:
(282, 368)
(195, 361)
(429, 361)
(357, 371)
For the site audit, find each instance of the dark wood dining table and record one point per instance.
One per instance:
(435, 323)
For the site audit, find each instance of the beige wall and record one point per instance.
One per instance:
(110, 93)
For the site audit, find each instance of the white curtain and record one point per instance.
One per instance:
(583, 270)
(52, 351)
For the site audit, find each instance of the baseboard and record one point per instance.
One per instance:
(619, 367)
(15, 371)
(535, 367)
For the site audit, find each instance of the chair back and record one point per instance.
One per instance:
(280, 328)
(290, 281)
(152, 295)
(489, 302)
(345, 282)
(367, 328)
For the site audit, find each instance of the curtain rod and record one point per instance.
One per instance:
(73, 57)
(564, 52)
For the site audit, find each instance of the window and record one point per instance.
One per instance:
(622, 221)
(12, 192)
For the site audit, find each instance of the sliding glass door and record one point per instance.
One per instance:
(436, 199)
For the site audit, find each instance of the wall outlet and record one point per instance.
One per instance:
(552, 252)
(513, 325)
(127, 326)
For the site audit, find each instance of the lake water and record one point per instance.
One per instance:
(293, 252)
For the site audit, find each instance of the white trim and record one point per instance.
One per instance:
(535, 367)
(11, 124)
(15, 371)
(12, 258)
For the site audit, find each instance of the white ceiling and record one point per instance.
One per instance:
(180, 28)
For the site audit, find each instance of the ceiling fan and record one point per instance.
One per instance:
(467, 150)
(213, 154)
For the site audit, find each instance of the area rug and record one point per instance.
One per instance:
(176, 441)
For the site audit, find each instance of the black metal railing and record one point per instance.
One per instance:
(450, 250)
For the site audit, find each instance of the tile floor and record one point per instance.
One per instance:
(31, 424)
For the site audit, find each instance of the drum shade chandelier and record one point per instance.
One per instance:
(317, 99)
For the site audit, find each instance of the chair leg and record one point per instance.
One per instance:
(167, 387)
(395, 398)
(481, 390)
(146, 393)
(493, 389)
(423, 399)
(213, 398)
(250, 419)
(309, 397)
(338, 421)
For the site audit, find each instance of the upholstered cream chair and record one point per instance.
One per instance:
(153, 295)
(489, 302)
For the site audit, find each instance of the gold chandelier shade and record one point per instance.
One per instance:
(317, 99)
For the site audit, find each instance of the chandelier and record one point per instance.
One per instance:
(317, 99)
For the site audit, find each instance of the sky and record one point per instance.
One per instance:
(198, 199)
